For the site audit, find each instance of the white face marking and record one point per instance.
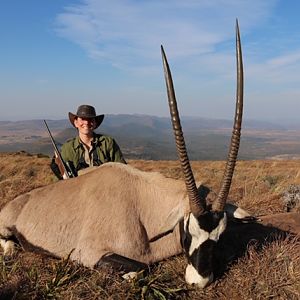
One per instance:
(199, 235)
(193, 277)
(215, 234)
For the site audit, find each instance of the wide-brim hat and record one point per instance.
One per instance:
(86, 111)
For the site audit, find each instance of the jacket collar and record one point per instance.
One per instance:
(96, 140)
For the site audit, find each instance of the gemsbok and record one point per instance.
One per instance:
(119, 213)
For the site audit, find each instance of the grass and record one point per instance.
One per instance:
(265, 267)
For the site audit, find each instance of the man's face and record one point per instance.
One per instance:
(85, 125)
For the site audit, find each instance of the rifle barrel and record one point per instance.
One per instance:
(57, 151)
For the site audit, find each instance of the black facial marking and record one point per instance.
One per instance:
(185, 237)
(202, 258)
(210, 220)
(207, 222)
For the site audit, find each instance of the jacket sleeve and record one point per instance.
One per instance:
(116, 153)
(68, 152)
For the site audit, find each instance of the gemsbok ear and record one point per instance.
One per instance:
(175, 216)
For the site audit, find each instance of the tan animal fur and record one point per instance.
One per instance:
(112, 209)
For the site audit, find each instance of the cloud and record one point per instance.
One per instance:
(285, 60)
(275, 74)
(128, 33)
(198, 37)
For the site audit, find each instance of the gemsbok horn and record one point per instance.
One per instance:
(203, 227)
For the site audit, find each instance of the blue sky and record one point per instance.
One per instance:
(57, 54)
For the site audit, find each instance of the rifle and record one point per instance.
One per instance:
(68, 172)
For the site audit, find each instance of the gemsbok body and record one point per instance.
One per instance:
(119, 212)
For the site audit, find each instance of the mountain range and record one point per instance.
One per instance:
(151, 137)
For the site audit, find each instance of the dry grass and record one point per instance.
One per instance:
(263, 266)
(22, 172)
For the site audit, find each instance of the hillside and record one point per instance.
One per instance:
(257, 186)
(150, 137)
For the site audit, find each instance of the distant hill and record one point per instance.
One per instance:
(151, 137)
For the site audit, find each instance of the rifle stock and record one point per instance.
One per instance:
(67, 170)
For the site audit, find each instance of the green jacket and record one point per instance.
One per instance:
(105, 149)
